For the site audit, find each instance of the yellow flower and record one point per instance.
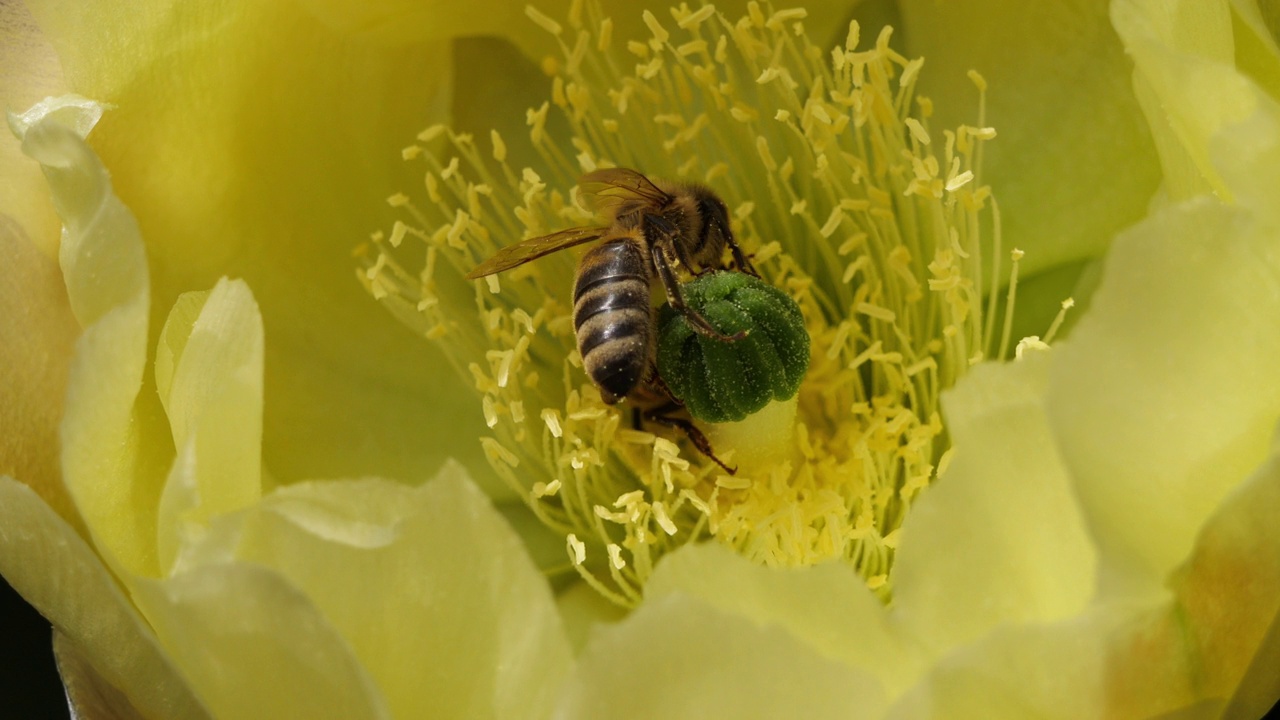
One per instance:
(1100, 545)
(875, 234)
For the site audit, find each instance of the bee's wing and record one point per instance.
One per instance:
(533, 248)
(616, 191)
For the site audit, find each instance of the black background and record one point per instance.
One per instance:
(29, 684)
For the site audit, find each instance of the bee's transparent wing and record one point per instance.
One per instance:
(534, 248)
(617, 191)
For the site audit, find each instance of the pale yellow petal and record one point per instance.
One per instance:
(173, 338)
(37, 335)
(47, 562)
(679, 658)
(1229, 595)
(89, 695)
(1184, 76)
(1017, 672)
(1122, 661)
(829, 607)
(1207, 650)
(1000, 537)
(209, 377)
(179, 500)
(256, 647)
(216, 396)
(1164, 397)
(1073, 161)
(1246, 156)
(112, 456)
(435, 594)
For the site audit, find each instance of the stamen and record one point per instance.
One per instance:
(1058, 319)
(878, 234)
(1016, 256)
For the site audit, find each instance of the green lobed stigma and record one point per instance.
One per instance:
(727, 381)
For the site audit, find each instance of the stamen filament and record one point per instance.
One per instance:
(847, 199)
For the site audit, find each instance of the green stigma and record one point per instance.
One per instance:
(726, 381)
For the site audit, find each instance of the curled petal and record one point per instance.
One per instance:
(111, 456)
(209, 377)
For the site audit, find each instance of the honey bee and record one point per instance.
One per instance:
(653, 229)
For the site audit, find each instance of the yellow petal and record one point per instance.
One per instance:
(255, 646)
(37, 335)
(1229, 593)
(434, 593)
(251, 140)
(1000, 538)
(47, 562)
(677, 658)
(112, 456)
(209, 377)
(1062, 104)
(828, 607)
(1209, 649)
(1164, 397)
(89, 695)
(1179, 295)
(1124, 661)
(1185, 78)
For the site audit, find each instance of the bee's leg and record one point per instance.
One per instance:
(739, 257)
(636, 418)
(656, 384)
(681, 252)
(662, 415)
(658, 230)
(663, 261)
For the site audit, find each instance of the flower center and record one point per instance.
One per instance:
(846, 198)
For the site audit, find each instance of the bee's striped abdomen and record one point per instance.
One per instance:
(612, 317)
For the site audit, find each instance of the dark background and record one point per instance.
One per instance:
(29, 684)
